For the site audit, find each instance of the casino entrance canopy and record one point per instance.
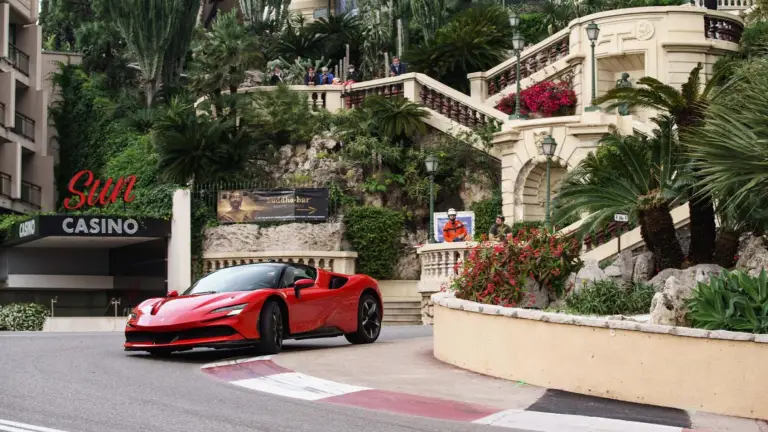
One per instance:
(72, 231)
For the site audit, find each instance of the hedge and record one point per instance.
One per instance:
(375, 234)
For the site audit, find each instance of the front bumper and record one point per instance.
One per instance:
(212, 336)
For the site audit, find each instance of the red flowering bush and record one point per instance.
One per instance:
(496, 273)
(547, 98)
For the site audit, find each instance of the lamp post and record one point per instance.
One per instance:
(432, 163)
(593, 30)
(517, 45)
(548, 146)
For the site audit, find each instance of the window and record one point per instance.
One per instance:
(296, 273)
(12, 34)
(239, 278)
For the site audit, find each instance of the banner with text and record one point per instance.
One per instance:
(248, 206)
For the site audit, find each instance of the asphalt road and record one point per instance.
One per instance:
(85, 382)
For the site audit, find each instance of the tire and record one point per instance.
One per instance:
(368, 321)
(271, 329)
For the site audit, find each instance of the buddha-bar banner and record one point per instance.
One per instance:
(249, 206)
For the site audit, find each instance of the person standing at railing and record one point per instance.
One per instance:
(326, 77)
(277, 76)
(396, 68)
(311, 78)
(499, 230)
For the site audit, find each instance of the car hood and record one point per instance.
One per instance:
(176, 306)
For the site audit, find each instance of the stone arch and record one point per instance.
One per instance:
(531, 187)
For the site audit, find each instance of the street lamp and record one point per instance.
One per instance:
(517, 45)
(514, 20)
(548, 146)
(432, 163)
(593, 30)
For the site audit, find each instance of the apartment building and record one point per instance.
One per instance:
(26, 165)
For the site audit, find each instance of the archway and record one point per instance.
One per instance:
(534, 193)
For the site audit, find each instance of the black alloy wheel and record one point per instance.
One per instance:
(271, 329)
(368, 321)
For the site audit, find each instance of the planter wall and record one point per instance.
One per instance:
(713, 371)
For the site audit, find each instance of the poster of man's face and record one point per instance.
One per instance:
(235, 206)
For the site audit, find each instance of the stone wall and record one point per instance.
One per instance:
(289, 237)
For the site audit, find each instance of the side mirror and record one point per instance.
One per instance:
(303, 283)
(300, 285)
(173, 293)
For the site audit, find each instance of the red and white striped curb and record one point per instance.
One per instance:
(263, 375)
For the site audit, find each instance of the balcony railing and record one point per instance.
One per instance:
(30, 194)
(18, 59)
(24, 126)
(723, 29)
(5, 184)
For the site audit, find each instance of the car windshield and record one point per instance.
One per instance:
(240, 278)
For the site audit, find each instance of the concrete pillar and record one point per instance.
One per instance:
(5, 11)
(179, 260)
(478, 87)
(507, 141)
(8, 96)
(10, 163)
(39, 114)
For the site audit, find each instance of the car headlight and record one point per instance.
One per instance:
(132, 316)
(233, 310)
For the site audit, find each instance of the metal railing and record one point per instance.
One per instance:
(31, 194)
(24, 126)
(5, 184)
(19, 59)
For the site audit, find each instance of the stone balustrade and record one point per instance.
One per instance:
(338, 262)
(439, 263)
(728, 5)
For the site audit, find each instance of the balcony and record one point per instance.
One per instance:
(2, 114)
(18, 59)
(30, 194)
(5, 185)
(24, 126)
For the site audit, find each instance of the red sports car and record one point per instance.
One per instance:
(262, 304)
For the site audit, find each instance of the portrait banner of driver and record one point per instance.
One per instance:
(235, 206)
(455, 229)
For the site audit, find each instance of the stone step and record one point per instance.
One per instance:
(402, 310)
(401, 317)
(401, 323)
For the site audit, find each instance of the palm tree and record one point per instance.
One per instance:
(640, 175)
(224, 56)
(687, 107)
(395, 118)
(730, 149)
(199, 147)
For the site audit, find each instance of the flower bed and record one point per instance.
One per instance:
(502, 274)
(544, 99)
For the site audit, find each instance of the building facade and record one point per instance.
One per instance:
(26, 162)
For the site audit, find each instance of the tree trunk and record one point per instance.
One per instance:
(703, 230)
(665, 246)
(726, 248)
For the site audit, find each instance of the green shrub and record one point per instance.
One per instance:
(375, 234)
(609, 297)
(485, 214)
(731, 301)
(23, 316)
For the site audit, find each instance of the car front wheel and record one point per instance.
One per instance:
(271, 330)
(368, 321)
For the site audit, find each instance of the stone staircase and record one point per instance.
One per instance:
(402, 312)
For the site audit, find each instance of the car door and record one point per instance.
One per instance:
(311, 310)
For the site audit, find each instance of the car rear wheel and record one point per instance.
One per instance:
(368, 321)
(271, 329)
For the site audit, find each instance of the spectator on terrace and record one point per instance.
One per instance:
(454, 230)
(311, 78)
(326, 77)
(277, 76)
(396, 68)
(499, 230)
